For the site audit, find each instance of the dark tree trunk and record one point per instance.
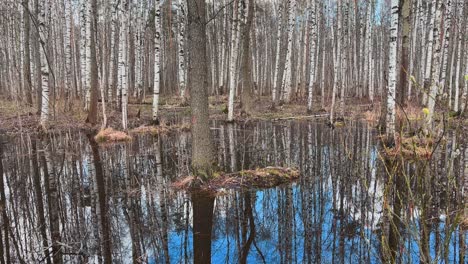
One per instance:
(202, 148)
(203, 205)
(27, 54)
(92, 114)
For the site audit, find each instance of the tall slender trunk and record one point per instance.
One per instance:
(287, 76)
(429, 54)
(247, 96)
(92, 113)
(277, 57)
(405, 51)
(27, 53)
(392, 71)
(157, 60)
(181, 53)
(336, 61)
(235, 34)
(313, 45)
(435, 84)
(43, 39)
(123, 62)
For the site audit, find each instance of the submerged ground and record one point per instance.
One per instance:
(117, 199)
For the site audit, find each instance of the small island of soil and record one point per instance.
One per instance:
(260, 178)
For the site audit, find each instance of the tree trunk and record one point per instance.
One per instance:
(235, 32)
(435, 84)
(247, 96)
(277, 58)
(405, 47)
(92, 112)
(392, 74)
(157, 61)
(203, 155)
(27, 54)
(123, 66)
(43, 37)
(287, 76)
(313, 44)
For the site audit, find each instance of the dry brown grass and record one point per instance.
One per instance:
(411, 147)
(411, 113)
(111, 135)
(259, 178)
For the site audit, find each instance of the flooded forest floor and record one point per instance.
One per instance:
(15, 118)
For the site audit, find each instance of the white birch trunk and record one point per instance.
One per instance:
(68, 48)
(235, 33)
(313, 45)
(446, 34)
(392, 71)
(456, 102)
(277, 57)
(157, 60)
(181, 53)
(43, 15)
(287, 76)
(430, 43)
(435, 83)
(123, 67)
(336, 62)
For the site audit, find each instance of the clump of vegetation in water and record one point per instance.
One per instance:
(411, 147)
(110, 135)
(259, 178)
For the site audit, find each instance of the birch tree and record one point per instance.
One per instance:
(123, 62)
(181, 53)
(286, 87)
(435, 83)
(235, 34)
(157, 60)
(392, 74)
(277, 58)
(312, 40)
(43, 38)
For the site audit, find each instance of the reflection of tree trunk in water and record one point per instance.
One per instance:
(248, 216)
(5, 221)
(232, 147)
(424, 184)
(39, 200)
(102, 202)
(463, 185)
(162, 200)
(54, 207)
(395, 222)
(203, 205)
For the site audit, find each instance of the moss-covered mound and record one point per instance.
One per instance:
(259, 178)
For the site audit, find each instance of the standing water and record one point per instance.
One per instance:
(65, 198)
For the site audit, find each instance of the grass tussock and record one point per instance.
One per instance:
(110, 135)
(246, 179)
(413, 147)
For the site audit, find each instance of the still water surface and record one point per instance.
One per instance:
(68, 198)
